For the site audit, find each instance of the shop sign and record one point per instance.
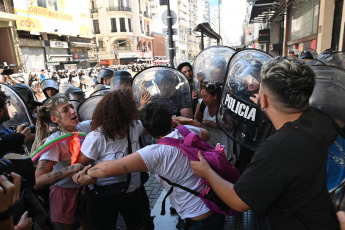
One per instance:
(59, 44)
(264, 36)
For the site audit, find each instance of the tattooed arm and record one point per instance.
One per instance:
(127, 164)
(46, 177)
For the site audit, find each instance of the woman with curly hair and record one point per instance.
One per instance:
(115, 134)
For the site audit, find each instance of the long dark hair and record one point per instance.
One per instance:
(115, 113)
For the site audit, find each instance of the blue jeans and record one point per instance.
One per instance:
(214, 222)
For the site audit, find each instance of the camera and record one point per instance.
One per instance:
(21, 165)
(31, 127)
(7, 70)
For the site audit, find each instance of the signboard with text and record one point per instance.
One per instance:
(59, 44)
(53, 16)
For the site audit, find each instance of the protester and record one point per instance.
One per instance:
(168, 162)
(281, 179)
(114, 125)
(38, 91)
(211, 94)
(43, 75)
(54, 167)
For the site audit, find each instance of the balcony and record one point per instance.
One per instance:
(118, 8)
(102, 49)
(97, 31)
(94, 11)
(148, 34)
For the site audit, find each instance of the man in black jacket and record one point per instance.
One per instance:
(287, 175)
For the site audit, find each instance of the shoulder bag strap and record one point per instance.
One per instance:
(129, 147)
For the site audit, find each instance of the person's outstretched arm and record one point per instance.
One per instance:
(224, 189)
(130, 163)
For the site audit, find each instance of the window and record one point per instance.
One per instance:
(303, 18)
(96, 27)
(141, 27)
(101, 44)
(129, 25)
(113, 25)
(122, 25)
(123, 45)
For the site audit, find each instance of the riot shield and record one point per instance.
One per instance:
(211, 65)
(17, 109)
(100, 89)
(238, 116)
(333, 59)
(86, 108)
(86, 80)
(63, 87)
(329, 91)
(165, 85)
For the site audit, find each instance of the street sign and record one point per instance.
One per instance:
(165, 31)
(165, 15)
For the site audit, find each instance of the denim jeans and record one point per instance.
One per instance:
(214, 222)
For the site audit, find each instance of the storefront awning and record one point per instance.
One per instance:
(206, 29)
(265, 10)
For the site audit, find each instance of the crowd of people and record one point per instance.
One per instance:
(86, 182)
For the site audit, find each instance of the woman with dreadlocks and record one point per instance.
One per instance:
(115, 134)
(54, 166)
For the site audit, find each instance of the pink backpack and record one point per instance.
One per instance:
(190, 146)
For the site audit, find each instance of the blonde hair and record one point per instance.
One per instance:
(43, 119)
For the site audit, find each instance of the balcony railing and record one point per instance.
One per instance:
(97, 31)
(102, 49)
(148, 34)
(93, 11)
(119, 8)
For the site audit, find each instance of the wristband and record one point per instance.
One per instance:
(7, 214)
(18, 227)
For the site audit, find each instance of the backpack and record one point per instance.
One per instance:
(190, 145)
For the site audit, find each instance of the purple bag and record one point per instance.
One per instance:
(190, 146)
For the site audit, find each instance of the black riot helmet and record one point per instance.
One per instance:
(75, 94)
(305, 55)
(106, 73)
(49, 83)
(121, 79)
(26, 93)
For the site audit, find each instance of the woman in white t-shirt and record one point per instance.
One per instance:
(114, 125)
(206, 115)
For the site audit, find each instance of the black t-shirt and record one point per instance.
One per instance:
(281, 173)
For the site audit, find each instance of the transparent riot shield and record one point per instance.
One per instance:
(63, 87)
(86, 80)
(333, 59)
(329, 91)
(100, 89)
(86, 108)
(17, 109)
(165, 85)
(238, 116)
(211, 65)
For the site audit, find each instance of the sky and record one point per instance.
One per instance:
(234, 15)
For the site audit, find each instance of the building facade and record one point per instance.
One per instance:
(122, 30)
(52, 34)
(299, 25)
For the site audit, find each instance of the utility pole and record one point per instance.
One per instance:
(170, 36)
